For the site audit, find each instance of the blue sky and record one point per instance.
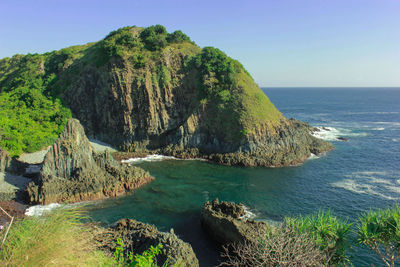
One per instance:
(280, 42)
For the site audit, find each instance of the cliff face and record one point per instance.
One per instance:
(149, 90)
(72, 172)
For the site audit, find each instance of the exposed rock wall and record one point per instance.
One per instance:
(138, 237)
(224, 223)
(72, 172)
(5, 160)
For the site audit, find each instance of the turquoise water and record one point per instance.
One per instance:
(360, 174)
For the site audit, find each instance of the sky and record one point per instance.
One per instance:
(282, 43)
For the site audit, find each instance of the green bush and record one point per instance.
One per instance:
(177, 37)
(154, 37)
(124, 258)
(329, 233)
(380, 231)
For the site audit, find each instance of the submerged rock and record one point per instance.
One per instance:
(224, 222)
(138, 237)
(73, 172)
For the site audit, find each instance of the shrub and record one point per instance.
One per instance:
(330, 234)
(124, 258)
(154, 37)
(281, 246)
(177, 37)
(380, 231)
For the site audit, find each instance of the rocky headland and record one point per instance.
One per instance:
(144, 90)
(73, 172)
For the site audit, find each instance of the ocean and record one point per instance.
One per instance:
(362, 173)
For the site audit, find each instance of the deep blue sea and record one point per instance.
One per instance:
(360, 174)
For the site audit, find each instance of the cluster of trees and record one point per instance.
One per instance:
(321, 240)
(152, 38)
(30, 118)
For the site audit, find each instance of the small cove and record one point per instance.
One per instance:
(360, 174)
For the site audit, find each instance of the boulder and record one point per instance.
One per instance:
(226, 224)
(73, 172)
(138, 237)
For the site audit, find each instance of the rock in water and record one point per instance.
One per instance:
(223, 222)
(72, 172)
(138, 237)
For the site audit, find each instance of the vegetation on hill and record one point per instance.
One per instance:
(37, 92)
(29, 118)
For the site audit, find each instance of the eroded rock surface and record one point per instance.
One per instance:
(224, 222)
(5, 160)
(73, 172)
(138, 237)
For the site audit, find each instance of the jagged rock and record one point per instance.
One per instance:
(138, 237)
(224, 223)
(72, 172)
(5, 160)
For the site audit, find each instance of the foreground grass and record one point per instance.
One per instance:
(57, 239)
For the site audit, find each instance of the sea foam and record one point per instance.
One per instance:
(39, 210)
(148, 158)
(334, 134)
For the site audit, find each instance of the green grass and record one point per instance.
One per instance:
(56, 239)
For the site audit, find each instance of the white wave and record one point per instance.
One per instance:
(39, 210)
(326, 133)
(334, 134)
(148, 158)
(248, 214)
(378, 129)
(396, 140)
(313, 156)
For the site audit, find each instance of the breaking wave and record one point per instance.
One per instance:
(148, 158)
(39, 210)
(334, 134)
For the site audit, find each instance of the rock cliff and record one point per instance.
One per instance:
(224, 222)
(138, 237)
(147, 90)
(72, 172)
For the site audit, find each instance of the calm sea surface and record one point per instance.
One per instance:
(361, 174)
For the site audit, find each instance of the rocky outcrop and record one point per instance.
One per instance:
(170, 96)
(138, 237)
(5, 160)
(225, 223)
(72, 172)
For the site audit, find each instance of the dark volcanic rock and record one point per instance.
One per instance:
(224, 223)
(138, 237)
(72, 172)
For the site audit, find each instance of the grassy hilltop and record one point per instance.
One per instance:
(37, 90)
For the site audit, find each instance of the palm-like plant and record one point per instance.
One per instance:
(328, 232)
(380, 231)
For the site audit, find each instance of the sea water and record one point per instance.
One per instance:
(360, 174)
